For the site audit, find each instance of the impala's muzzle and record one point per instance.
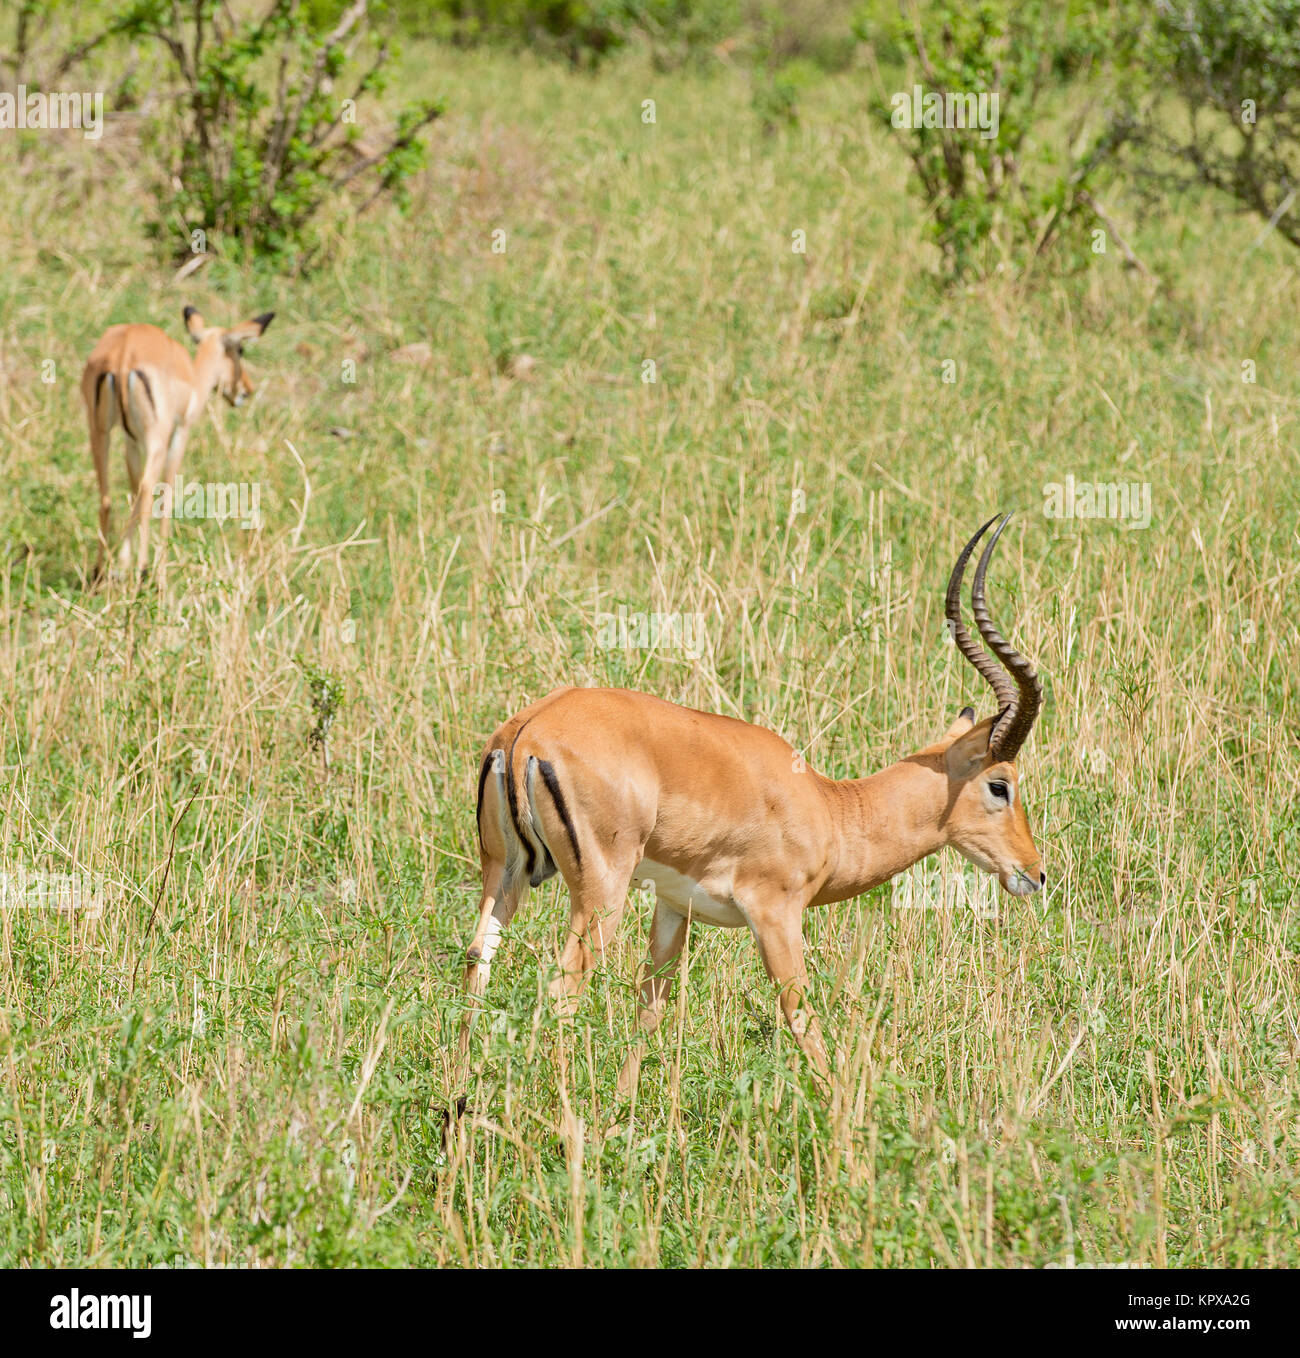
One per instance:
(1025, 881)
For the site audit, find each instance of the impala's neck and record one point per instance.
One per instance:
(885, 823)
(207, 367)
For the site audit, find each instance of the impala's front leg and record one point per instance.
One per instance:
(137, 528)
(667, 936)
(779, 932)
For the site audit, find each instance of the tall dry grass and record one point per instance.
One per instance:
(245, 1058)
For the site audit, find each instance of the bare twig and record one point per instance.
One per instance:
(306, 494)
(399, 143)
(1109, 223)
(162, 886)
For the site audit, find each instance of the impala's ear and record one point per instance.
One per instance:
(970, 751)
(195, 323)
(248, 332)
(965, 720)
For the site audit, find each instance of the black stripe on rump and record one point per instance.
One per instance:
(478, 805)
(148, 390)
(121, 405)
(553, 787)
(512, 800)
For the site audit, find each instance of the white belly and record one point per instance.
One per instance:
(688, 897)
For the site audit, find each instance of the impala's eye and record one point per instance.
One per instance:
(1001, 791)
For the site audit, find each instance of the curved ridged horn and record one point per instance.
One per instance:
(1016, 719)
(997, 677)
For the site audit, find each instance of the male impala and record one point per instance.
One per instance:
(610, 787)
(143, 380)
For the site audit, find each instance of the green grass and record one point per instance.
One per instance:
(245, 1058)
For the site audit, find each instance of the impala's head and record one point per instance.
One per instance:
(986, 819)
(224, 349)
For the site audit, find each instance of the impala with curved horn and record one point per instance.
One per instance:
(140, 379)
(610, 787)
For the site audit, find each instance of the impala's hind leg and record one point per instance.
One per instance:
(667, 937)
(142, 506)
(171, 465)
(133, 456)
(598, 894)
(101, 431)
(99, 440)
(501, 898)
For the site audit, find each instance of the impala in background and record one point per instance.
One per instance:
(143, 380)
(609, 787)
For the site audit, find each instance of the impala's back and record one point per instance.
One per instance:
(609, 783)
(121, 382)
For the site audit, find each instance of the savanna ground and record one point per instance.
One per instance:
(245, 1058)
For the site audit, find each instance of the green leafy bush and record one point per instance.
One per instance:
(1234, 74)
(997, 195)
(264, 136)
